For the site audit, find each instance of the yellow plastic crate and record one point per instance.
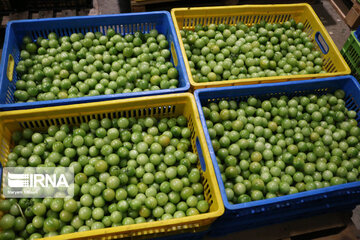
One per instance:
(156, 106)
(188, 18)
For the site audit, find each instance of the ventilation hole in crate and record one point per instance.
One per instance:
(285, 18)
(153, 111)
(259, 19)
(307, 25)
(202, 21)
(9, 96)
(159, 110)
(105, 29)
(332, 68)
(38, 34)
(31, 124)
(350, 104)
(218, 20)
(244, 19)
(88, 118)
(36, 124)
(51, 122)
(326, 63)
(252, 20)
(205, 21)
(119, 114)
(191, 23)
(282, 18)
(132, 113)
(278, 19)
(211, 20)
(329, 66)
(43, 33)
(275, 19)
(57, 121)
(68, 120)
(33, 35)
(77, 120)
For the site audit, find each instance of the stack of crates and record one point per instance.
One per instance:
(253, 214)
(165, 103)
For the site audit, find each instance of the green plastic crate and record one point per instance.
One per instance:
(351, 53)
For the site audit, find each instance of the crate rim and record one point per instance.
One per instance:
(103, 97)
(242, 6)
(148, 226)
(280, 199)
(249, 81)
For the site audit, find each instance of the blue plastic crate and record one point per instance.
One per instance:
(269, 211)
(122, 23)
(357, 34)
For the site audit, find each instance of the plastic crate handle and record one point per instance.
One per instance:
(8, 66)
(201, 155)
(321, 43)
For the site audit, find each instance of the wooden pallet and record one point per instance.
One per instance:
(350, 15)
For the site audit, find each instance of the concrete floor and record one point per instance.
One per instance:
(333, 23)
